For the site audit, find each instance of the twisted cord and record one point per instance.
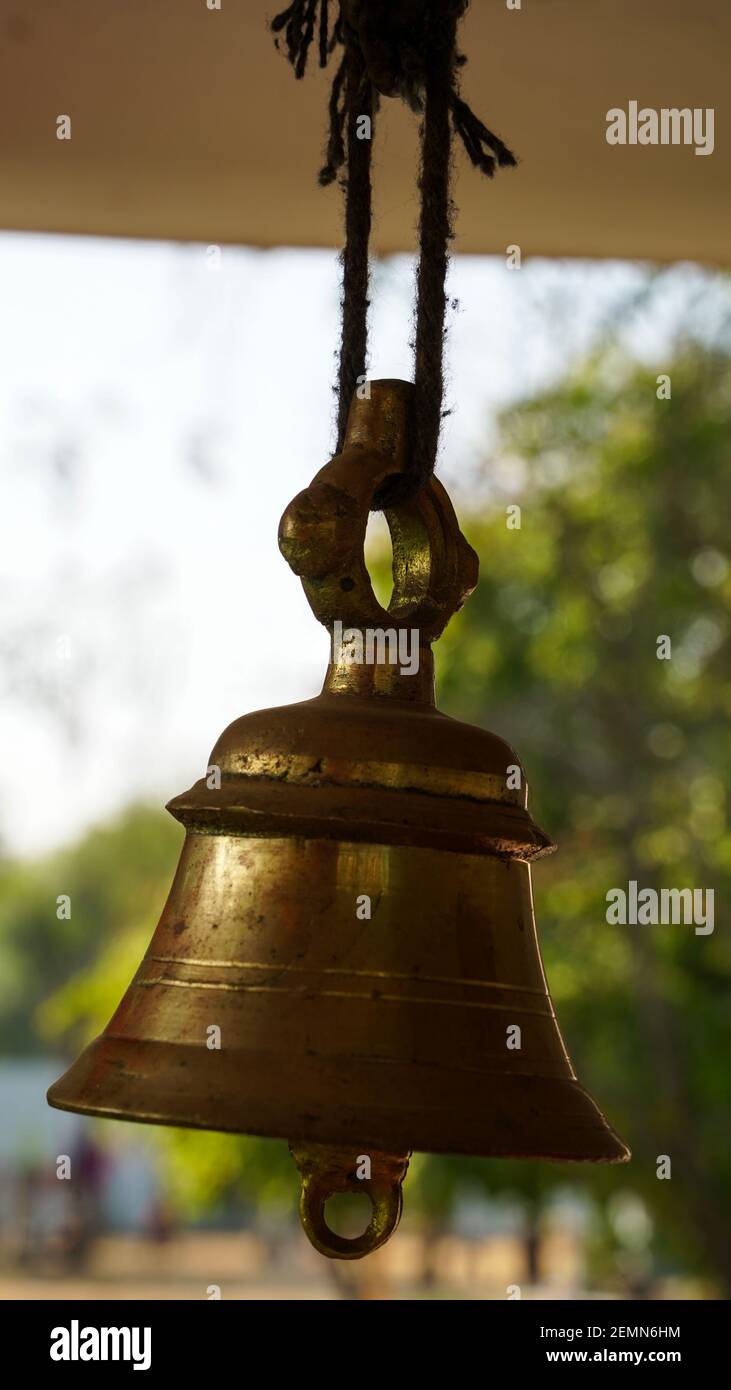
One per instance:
(406, 49)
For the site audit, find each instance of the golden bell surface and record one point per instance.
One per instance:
(349, 939)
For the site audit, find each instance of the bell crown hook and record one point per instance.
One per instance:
(322, 537)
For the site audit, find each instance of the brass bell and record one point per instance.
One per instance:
(352, 909)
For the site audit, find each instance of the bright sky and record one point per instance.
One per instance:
(156, 416)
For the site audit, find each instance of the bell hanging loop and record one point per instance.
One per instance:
(328, 1169)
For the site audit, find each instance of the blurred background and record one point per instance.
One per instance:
(159, 406)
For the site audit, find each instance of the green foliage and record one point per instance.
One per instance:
(625, 502)
(114, 877)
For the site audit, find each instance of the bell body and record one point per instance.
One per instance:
(364, 950)
(348, 957)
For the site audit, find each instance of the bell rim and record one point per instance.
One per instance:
(581, 1135)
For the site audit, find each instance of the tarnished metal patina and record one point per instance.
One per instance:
(352, 907)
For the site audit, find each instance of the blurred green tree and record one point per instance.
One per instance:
(624, 499)
(112, 878)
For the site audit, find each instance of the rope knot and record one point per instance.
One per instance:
(395, 36)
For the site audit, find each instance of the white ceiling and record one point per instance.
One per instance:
(187, 124)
